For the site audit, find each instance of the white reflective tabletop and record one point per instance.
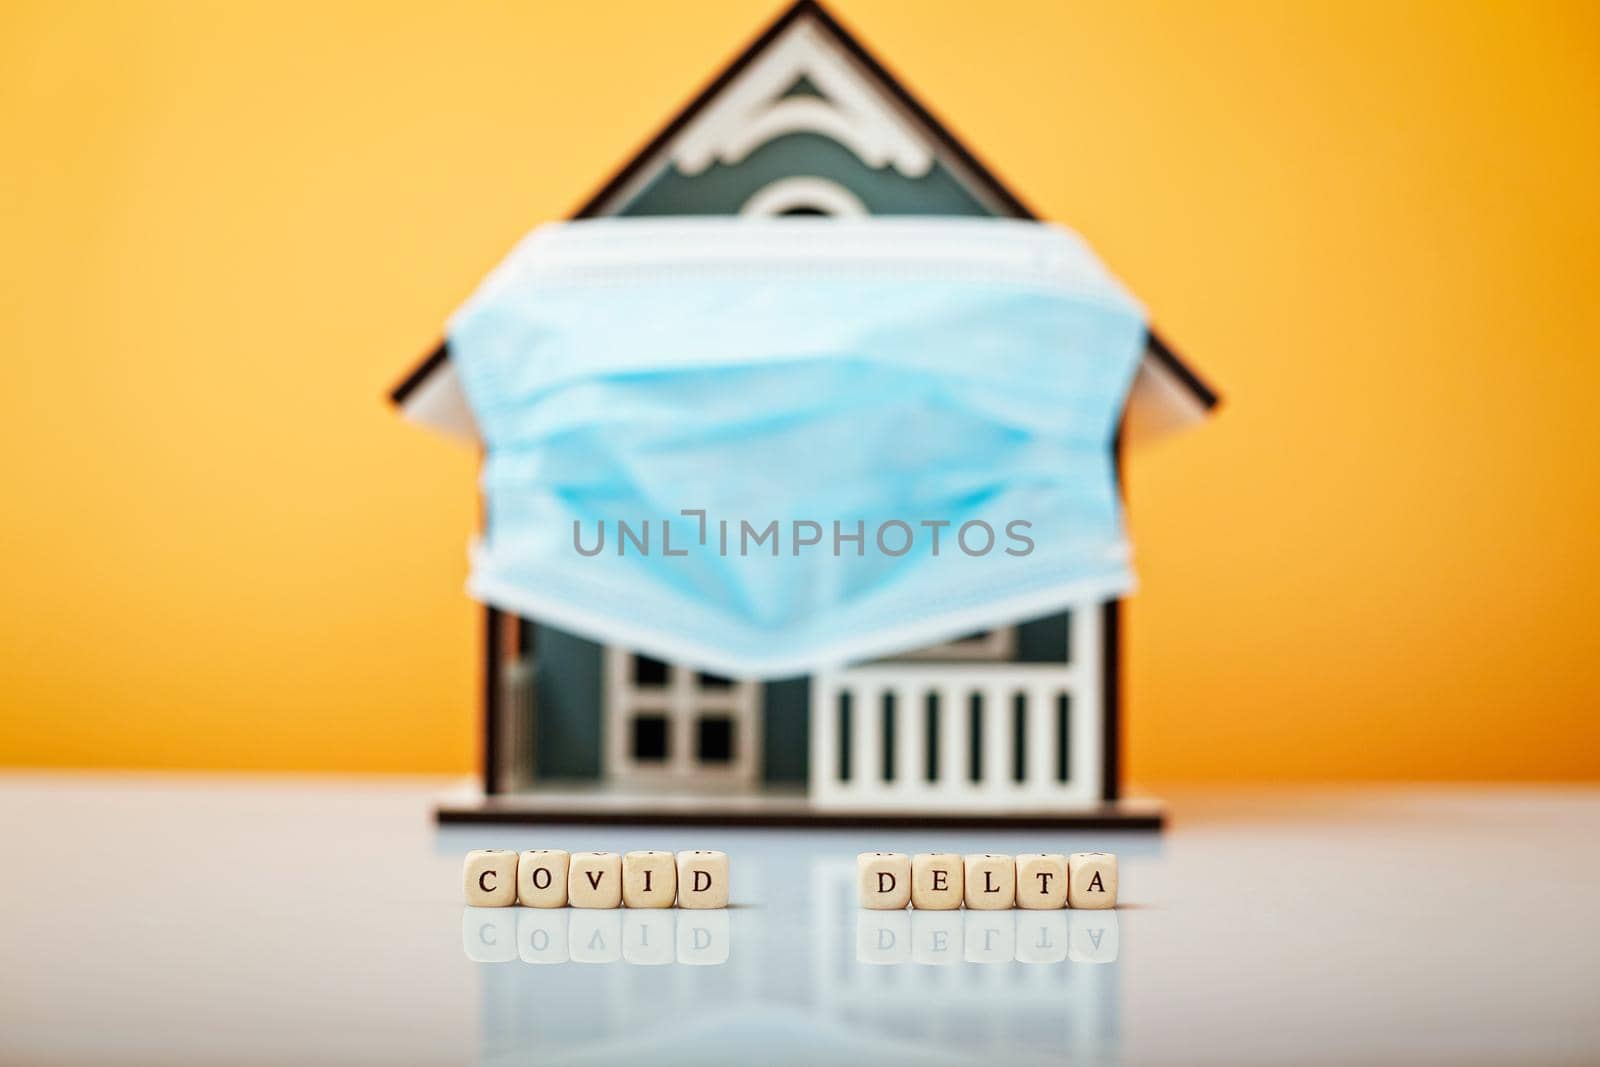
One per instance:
(251, 921)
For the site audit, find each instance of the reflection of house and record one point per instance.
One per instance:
(1018, 722)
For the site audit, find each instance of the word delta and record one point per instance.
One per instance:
(944, 937)
(551, 878)
(641, 937)
(943, 881)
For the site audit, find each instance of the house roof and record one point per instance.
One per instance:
(1157, 349)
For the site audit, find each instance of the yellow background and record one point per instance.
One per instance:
(226, 229)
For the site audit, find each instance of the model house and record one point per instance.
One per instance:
(1016, 724)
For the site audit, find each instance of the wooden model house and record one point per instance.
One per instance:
(1019, 724)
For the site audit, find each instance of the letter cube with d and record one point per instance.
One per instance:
(702, 879)
(885, 880)
(1091, 880)
(1041, 880)
(490, 878)
(937, 879)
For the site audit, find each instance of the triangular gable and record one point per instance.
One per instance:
(806, 75)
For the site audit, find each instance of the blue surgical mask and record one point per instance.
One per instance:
(763, 448)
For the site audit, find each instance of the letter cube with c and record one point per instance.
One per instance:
(490, 878)
(542, 878)
(702, 879)
(936, 881)
(594, 880)
(884, 879)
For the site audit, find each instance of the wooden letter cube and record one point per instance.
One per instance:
(542, 878)
(594, 880)
(884, 879)
(490, 878)
(936, 881)
(1041, 880)
(1092, 880)
(649, 879)
(702, 879)
(991, 882)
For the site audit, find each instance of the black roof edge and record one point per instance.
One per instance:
(1181, 370)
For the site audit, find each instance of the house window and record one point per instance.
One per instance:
(666, 720)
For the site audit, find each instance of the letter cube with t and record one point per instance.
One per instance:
(702, 879)
(594, 880)
(991, 882)
(936, 881)
(1092, 880)
(1041, 880)
(885, 880)
(649, 879)
(542, 878)
(490, 878)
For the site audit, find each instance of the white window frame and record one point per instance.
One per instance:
(998, 646)
(682, 700)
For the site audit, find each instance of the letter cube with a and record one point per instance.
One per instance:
(649, 879)
(991, 882)
(884, 879)
(490, 878)
(594, 880)
(1041, 880)
(542, 878)
(937, 879)
(702, 879)
(1092, 880)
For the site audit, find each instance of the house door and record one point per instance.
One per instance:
(664, 720)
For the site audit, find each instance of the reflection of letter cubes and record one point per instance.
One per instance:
(649, 879)
(936, 881)
(1042, 937)
(1092, 880)
(885, 880)
(542, 936)
(882, 938)
(1093, 938)
(490, 878)
(542, 878)
(594, 880)
(936, 937)
(1041, 880)
(489, 936)
(988, 938)
(991, 882)
(703, 939)
(595, 936)
(648, 937)
(702, 879)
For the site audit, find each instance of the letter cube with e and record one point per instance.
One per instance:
(937, 879)
(594, 880)
(1041, 880)
(702, 879)
(490, 878)
(991, 882)
(885, 880)
(1091, 880)
(542, 878)
(649, 879)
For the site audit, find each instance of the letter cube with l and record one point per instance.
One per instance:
(649, 879)
(702, 879)
(490, 878)
(884, 879)
(594, 880)
(1041, 880)
(936, 881)
(542, 878)
(1092, 880)
(991, 882)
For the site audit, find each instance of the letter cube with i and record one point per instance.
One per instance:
(649, 879)
(1092, 880)
(542, 878)
(490, 878)
(937, 880)
(594, 880)
(1041, 880)
(991, 882)
(884, 879)
(702, 879)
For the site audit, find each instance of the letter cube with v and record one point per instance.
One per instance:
(702, 879)
(885, 880)
(490, 878)
(594, 880)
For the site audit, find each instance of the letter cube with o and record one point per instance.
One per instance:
(1041, 880)
(884, 879)
(702, 879)
(490, 878)
(991, 882)
(649, 879)
(594, 880)
(1092, 880)
(937, 881)
(542, 878)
